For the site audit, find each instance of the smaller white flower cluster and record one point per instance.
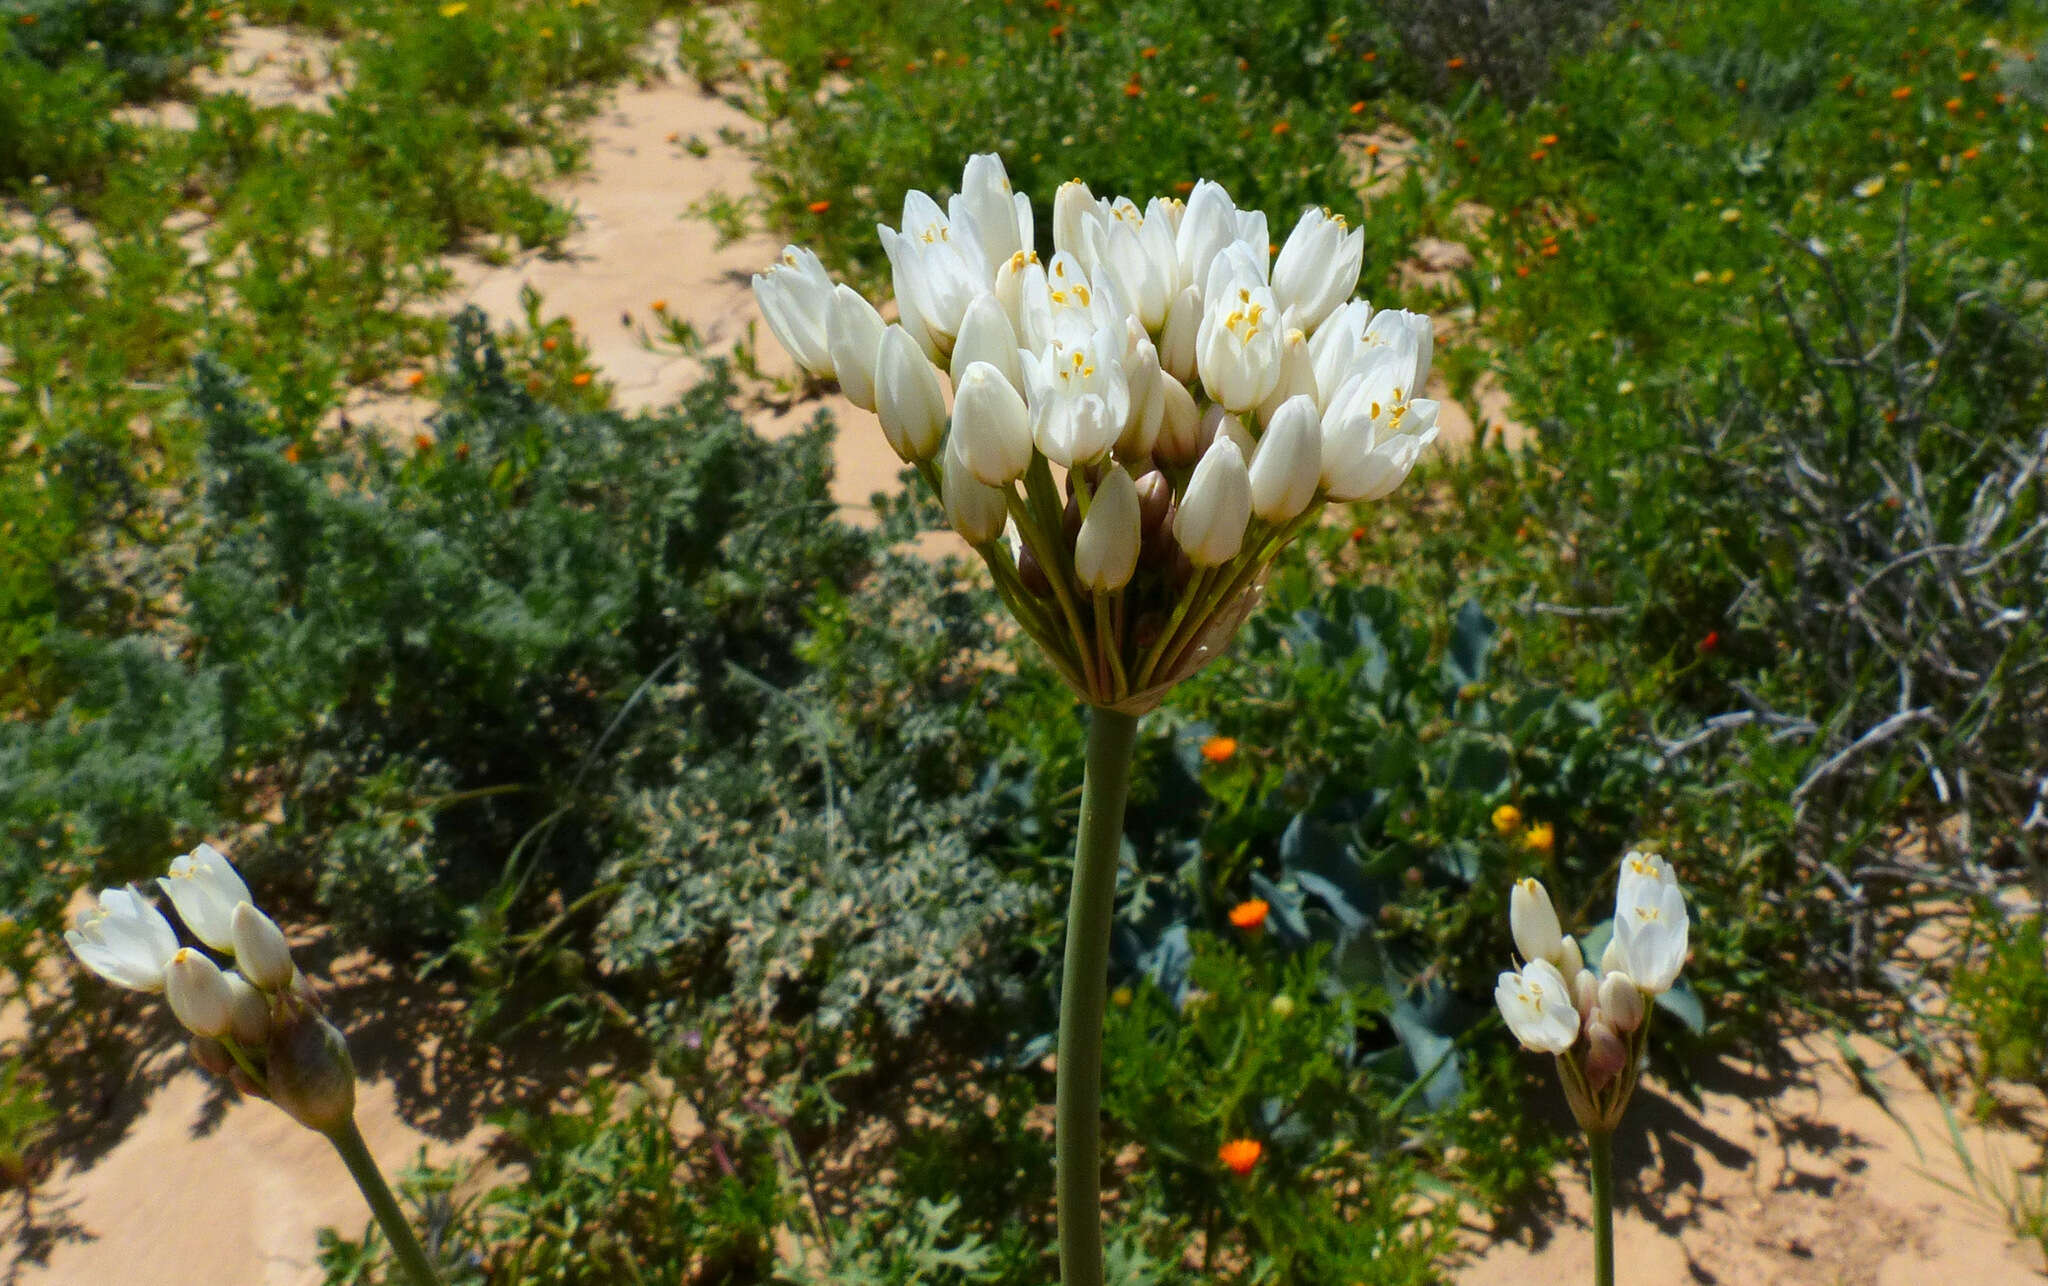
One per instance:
(1595, 1023)
(1205, 396)
(252, 1022)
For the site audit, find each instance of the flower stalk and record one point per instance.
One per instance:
(362, 1167)
(1084, 991)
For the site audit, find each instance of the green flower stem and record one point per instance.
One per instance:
(355, 1154)
(1603, 1206)
(1084, 990)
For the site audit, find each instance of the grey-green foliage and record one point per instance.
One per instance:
(839, 849)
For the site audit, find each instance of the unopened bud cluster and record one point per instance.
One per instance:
(1595, 1023)
(248, 1008)
(1204, 397)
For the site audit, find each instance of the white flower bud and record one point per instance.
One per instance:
(1219, 423)
(125, 940)
(991, 426)
(1586, 991)
(1611, 960)
(1574, 962)
(205, 889)
(1288, 465)
(199, 993)
(1207, 225)
(987, 336)
(853, 336)
(1533, 921)
(1177, 341)
(908, 399)
(248, 1012)
(795, 294)
(1181, 426)
(1106, 551)
(260, 949)
(976, 510)
(1620, 1002)
(1148, 401)
(1210, 522)
(990, 203)
(1074, 207)
(1605, 1054)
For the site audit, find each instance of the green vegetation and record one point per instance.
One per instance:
(612, 721)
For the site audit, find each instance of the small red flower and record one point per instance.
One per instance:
(1250, 916)
(1218, 750)
(819, 207)
(1711, 641)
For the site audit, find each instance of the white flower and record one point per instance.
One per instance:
(1211, 520)
(1317, 268)
(1001, 217)
(1372, 437)
(205, 889)
(1537, 1005)
(1078, 395)
(199, 993)
(976, 510)
(1407, 334)
(1137, 255)
(938, 270)
(853, 337)
(991, 426)
(1334, 348)
(1074, 209)
(1288, 465)
(1639, 868)
(1651, 930)
(260, 949)
(908, 399)
(1533, 921)
(1208, 224)
(1238, 346)
(795, 295)
(1106, 551)
(125, 940)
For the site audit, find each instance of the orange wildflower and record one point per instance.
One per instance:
(1057, 30)
(1969, 76)
(580, 379)
(414, 379)
(422, 443)
(819, 207)
(1548, 140)
(1357, 535)
(1507, 819)
(1372, 149)
(1369, 56)
(1969, 153)
(548, 344)
(1538, 154)
(1358, 108)
(659, 305)
(1240, 1155)
(1454, 63)
(291, 453)
(1521, 270)
(1250, 916)
(1149, 51)
(1542, 837)
(1281, 127)
(1903, 92)
(1953, 105)
(1134, 90)
(1218, 750)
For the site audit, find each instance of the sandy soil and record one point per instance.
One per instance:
(1793, 1177)
(1768, 1181)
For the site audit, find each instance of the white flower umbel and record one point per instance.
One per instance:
(1537, 1004)
(1602, 1055)
(205, 889)
(1160, 339)
(124, 940)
